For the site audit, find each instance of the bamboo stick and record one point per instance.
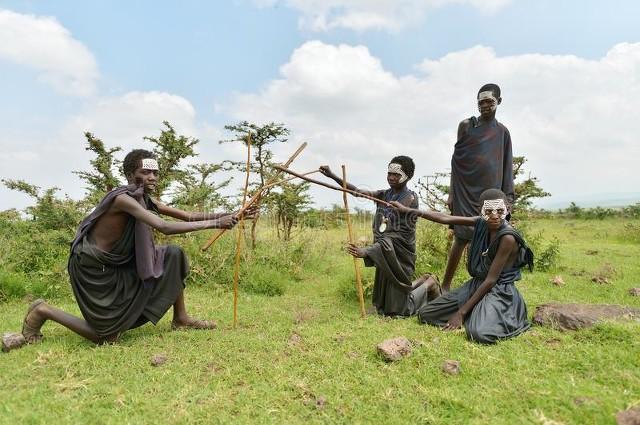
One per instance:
(356, 265)
(236, 269)
(255, 197)
(338, 188)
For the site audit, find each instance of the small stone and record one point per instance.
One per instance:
(452, 367)
(320, 402)
(295, 340)
(394, 349)
(11, 341)
(158, 360)
(577, 316)
(592, 252)
(629, 416)
(557, 280)
(634, 292)
(600, 280)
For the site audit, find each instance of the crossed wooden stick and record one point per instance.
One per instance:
(274, 181)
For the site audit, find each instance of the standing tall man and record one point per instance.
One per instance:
(482, 159)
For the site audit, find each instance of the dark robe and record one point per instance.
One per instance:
(502, 312)
(393, 254)
(109, 286)
(482, 159)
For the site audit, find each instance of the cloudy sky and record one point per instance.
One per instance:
(360, 80)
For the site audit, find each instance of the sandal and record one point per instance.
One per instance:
(32, 333)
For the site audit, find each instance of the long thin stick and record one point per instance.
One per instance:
(269, 186)
(255, 197)
(236, 269)
(355, 260)
(338, 188)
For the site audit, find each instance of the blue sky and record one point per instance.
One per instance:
(119, 69)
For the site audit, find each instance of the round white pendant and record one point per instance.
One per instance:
(383, 227)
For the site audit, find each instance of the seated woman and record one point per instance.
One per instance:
(489, 305)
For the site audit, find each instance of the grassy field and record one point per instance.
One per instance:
(306, 357)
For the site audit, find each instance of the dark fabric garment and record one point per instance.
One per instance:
(482, 159)
(107, 285)
(149, 259)
(502, 312)
(393, 254)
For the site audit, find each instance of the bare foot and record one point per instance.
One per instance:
(190, 323)
(33, 321)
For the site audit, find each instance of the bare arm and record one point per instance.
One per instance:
(188, 215)
(324, 169)
(125, 203)
(506, 246)
(436, 216)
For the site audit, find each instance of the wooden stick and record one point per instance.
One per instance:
(255, 197)
(236, 269)
(338, 188)
(269, 186)
(355, 260)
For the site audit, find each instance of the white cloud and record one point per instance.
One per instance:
(119, 121)
(45, 45)
(362, 15)
(573, 118)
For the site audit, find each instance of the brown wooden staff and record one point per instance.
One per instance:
(356, 264)
(269, 186)
(256, 197)
(236, 269)
(338, 188)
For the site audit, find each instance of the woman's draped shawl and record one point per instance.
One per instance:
(393, 253)
(482, 159)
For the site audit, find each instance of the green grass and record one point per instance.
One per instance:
(328, 372)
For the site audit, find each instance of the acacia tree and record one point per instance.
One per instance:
(197, 189)
(170, 149)
(102, 179)
(261, 138)
(287, 204)
(49, 211)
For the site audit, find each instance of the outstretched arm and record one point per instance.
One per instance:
(324, 169)
(506, 246)
(435, 216)
(125, 203)
(200, 216)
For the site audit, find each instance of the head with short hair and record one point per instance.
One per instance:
(133, 161)
(406, 163)
(492, 194)
(494, 88)
(493, 202)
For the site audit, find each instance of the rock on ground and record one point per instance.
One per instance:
(577, 316)
(629, 417)
(635, 292)
(159, 359)
(394, 349)
(11, 341)
(452, 367)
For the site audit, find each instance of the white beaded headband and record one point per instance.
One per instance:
(397, 169)
(149, 164)
(489, 206)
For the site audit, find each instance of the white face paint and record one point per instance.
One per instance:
(494, 206)
(488, 95)
(149, 164)
(397, 169)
